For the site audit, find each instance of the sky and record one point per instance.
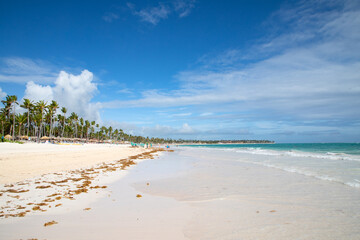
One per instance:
(287, 71)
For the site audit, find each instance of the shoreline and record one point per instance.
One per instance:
(197, 194)
(19, 162)
(59, 183)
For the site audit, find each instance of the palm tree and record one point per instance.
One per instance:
(52, 109)
(21, 119)
(68, 129)
(7, 105)
(60, 119)
(116, 134)
(27, 104)
(102, 131)
(92, 127)
(2, 120)
(55, 129)
(36, 121)
(74, 117)
(110, 130)
(41, 105)
(11, 101)
(82, 126)
(121, 133)
(97, 127)
(63, 110)
(36, 118)
(87, 125)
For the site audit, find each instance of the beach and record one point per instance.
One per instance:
(196, 193)
(24, 161)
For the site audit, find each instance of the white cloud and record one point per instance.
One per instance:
(2, 94)
(154, 15)
(166, 131)
(205, 114)
(125, 91)
(186, 129)
(154, 131)
(181, 114)
(305, 79)
(184, 7)
(37, 92)
(23, 70)
(74, 92)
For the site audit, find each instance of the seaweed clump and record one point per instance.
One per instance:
(50, 223)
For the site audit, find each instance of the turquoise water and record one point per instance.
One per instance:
(345, 148)
(335, 162)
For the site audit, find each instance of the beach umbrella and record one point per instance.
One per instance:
(24, 137)
(8, 137)
(44, 138)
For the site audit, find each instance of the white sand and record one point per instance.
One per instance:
(19, 162)
(60, 183)
(194, 194)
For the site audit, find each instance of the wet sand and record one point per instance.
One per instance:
(197, 194)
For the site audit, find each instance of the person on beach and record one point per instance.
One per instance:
(2, 138)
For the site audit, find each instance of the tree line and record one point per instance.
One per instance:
(41, 119)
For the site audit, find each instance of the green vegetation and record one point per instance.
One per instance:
(40, 119)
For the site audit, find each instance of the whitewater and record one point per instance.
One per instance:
(335, 162)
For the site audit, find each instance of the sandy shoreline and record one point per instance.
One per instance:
(19, 162)
(189, 194)
(37, 177)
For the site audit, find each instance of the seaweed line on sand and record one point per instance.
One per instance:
(40, 194)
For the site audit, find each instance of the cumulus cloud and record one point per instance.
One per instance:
(23, 70)
(186, 129)
(74, 92)
(155, 14)
(37, 92)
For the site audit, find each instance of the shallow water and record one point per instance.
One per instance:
(338, 162)
(327, 148)
(233, 198)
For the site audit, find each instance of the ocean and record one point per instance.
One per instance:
(335, 162)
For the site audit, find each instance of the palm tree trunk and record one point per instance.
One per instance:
(28, 122)
(50, 126)
(14, 123)
(39, 136)
(62, 134)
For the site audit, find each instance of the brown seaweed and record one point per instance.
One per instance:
(50, 223)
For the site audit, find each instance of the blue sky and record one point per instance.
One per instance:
(287, 71)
